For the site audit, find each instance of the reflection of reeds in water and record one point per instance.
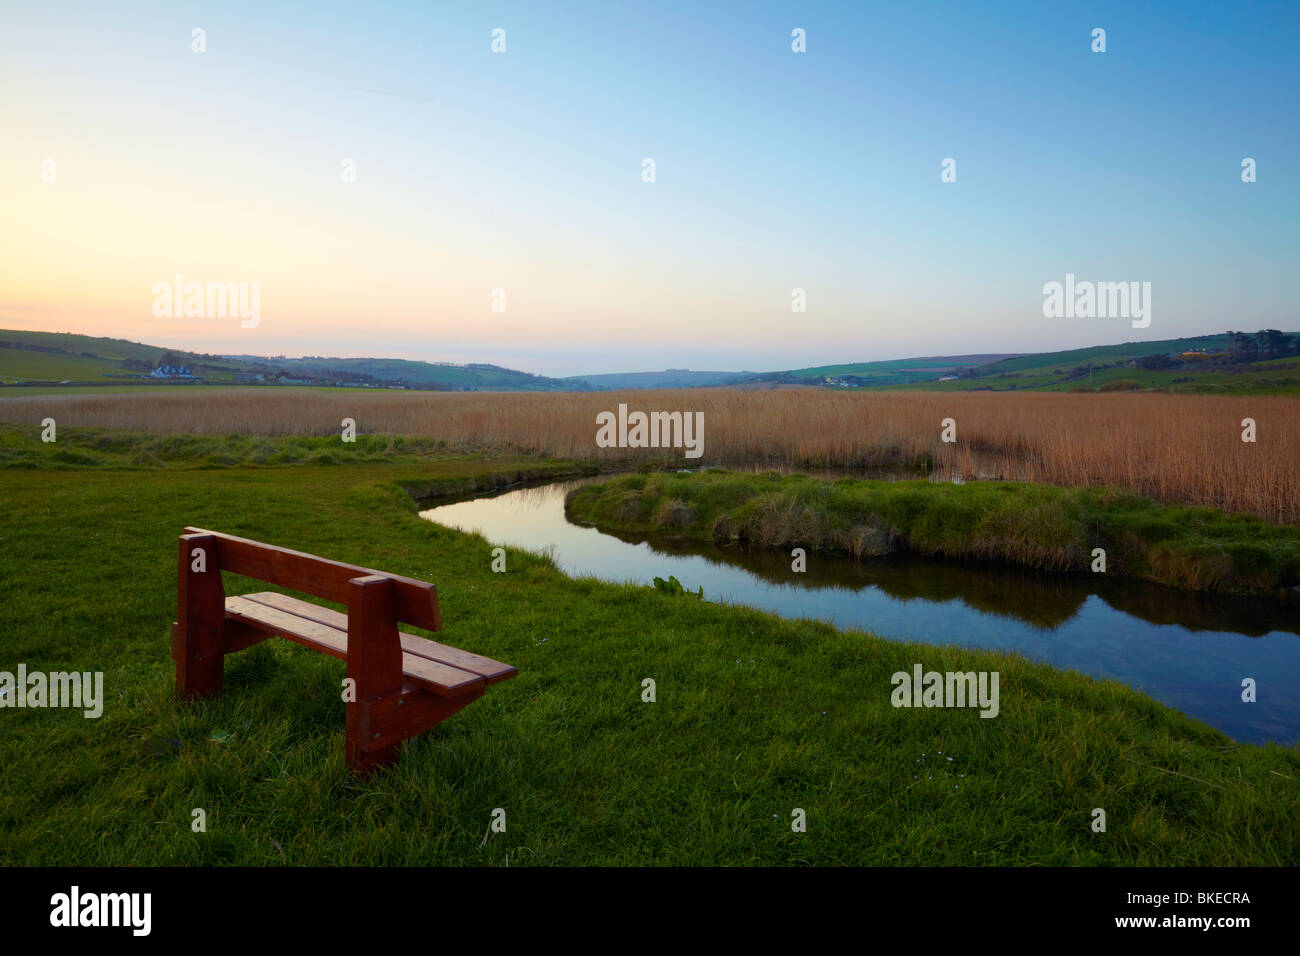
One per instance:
(1183, 448)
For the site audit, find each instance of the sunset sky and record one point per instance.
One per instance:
(522, 171)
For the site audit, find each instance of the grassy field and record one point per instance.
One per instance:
(126, 387)
(1038, 526)
(1091, 369)
(83, 358)
(1272, 377)
(1171, 448)
(755, 715)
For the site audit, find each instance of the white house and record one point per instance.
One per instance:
(172, 371)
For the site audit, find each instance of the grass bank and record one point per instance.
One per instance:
(1035, 525)
(755, 715)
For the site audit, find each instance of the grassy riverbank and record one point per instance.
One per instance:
(755, 715)
(1038, 526)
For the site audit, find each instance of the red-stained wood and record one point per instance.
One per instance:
(490, 670)
(239, 635)
(374, 665)
(197, 642)
(415, 602)
(392, 719)
(403, 684)
(333, 640)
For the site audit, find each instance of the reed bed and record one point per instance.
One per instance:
(1172, 448)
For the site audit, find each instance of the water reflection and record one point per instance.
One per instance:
(1186, 649)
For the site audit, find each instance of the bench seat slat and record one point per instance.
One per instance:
(440, 678)
(490, 670)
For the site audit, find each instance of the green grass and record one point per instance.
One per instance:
(107, 348)
(1052, 371)
(23, 364)
(1112, 353)
(755, 715)
(85, 358)
(1035, 525)
(119, 448)
(1272, 377)
(105, 355)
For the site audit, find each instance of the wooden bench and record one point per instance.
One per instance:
(403, 684)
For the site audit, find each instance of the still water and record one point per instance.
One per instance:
(1188, 650)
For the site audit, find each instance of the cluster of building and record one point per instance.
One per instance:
(173, 371)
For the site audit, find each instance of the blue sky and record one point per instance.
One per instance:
(774, 171)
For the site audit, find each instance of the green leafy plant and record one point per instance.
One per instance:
(673, 586)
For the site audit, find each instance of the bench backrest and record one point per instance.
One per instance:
(415, 602)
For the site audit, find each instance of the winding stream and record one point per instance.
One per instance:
(1186, 649)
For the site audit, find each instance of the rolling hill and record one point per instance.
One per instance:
(884, 373)
(1219, 362)
(69, 358)
(668, 378)
(1203, 363)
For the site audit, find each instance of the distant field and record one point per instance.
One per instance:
(115, 349)
(103, 365)
(1112, 353)
(22, 364)
(139, 387)
(928, 367)
(1172, 448)
(1107, 368)
(61, 356)
(1273, 377)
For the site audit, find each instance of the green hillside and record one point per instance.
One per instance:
(668, 378)
(61, 358)
(1108, 353)
(1221, 366)
(1221, 362)
(473, 376)
(112, 349)
(890, 372)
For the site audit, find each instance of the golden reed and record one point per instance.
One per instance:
(1174, 448)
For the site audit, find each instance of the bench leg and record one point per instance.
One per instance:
(365, 762)
(374, 666)
(198, 635)
(383, 724)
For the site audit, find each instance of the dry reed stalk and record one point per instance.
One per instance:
(1174, 448)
